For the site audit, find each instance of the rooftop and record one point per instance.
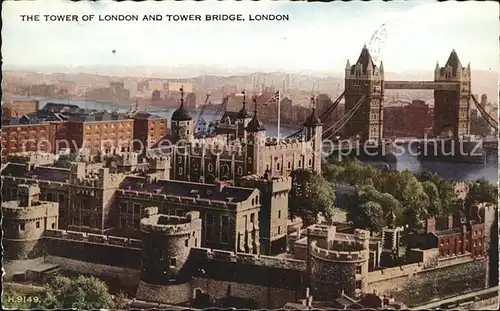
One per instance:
(187, 189)
(38, 172)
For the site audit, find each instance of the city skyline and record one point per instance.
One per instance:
(417, 35)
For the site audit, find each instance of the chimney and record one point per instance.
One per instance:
(219, 185)
(450, 222)
(430, 225)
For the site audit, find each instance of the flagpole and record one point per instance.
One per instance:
(279, 114)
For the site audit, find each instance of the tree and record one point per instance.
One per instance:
(445, 189)
(311, 194)
(371, 216)
(82, 293)
(481, 191)
(434, 208)
(333, 172)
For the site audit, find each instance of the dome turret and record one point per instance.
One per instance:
(255, 125)
(181, 114)
(313, 120)
(243, 113)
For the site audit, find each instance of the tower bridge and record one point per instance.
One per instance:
(364, 101)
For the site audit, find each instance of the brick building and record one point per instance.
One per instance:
(103, 130)
(452, 236)
(407, 121)
(18, 108)
(29, 135)
(148, 128)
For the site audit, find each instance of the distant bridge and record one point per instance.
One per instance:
(421, 85)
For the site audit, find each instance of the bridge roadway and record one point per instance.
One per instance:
(455, 302)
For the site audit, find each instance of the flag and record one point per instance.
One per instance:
(273, 100)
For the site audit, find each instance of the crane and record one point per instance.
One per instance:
(200, 122)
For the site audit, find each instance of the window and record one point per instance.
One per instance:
(22, 227)
(252, 218)
(278, 166)
(224, 238)
(61, 198)
(173, 262)
(289, 165)
(53, 225)
(358, 284)
(38, 224)
(123, 222)
(137, 223)
(196, 242)
(180, 170)
(137, 209)
(49, 196)
(123, 207)
(249, 160)
(210, 167)
(209, 228)
(86, 221)
(240, 170)
(179, 212)
(300, 163)
(310, 162)
(279, 214)
(358, 269)
(186, 243)
(279, 229)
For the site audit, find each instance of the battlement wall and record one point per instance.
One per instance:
(273, 185)
(33, 212)
(92, 238)
(294, 146)
(340, 256)
(172, 225)
(35, 158)
(249, 259)
(180, 199)
(410, 269)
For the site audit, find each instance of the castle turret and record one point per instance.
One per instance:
(242, 119)
(337, 263)
(313, 128)
(256, 136)
(182, 123)
(24, 222)
(166, 245)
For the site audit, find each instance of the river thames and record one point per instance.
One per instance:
(455, 171)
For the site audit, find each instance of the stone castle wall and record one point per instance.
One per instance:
(412, 283)
(93, 248)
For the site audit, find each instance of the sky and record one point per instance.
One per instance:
(318, 36)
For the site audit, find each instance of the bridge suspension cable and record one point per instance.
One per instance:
(323, 116)
(489, 119)
(332, 130)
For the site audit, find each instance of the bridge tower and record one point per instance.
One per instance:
(451, 107)
(364, 78)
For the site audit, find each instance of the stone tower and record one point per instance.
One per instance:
(364, 78)
(451, 107)
(337, 265)
(182, 123)
(24, 222)
(313, 128)
(242, 120)
(166, 244)
(256, 140)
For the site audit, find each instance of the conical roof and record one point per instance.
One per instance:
(454, 62)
